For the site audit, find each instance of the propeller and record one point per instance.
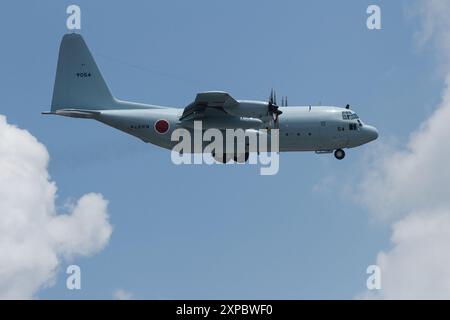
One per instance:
(273, 110)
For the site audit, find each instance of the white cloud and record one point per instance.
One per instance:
(433, 15)
(416, 178)
(121, 294)
(413, 186)
(34, 238)
(417, 267)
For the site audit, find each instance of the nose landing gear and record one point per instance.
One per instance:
(339, 154)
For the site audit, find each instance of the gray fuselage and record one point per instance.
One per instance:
(316, 128)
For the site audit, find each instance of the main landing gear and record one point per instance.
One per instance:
(339, 154)
(238, 158)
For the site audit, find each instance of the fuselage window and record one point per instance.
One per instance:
(348, 115)
(352, 126)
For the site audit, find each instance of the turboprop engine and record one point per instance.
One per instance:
(267, 111)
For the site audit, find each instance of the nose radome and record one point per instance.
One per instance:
(372, 133)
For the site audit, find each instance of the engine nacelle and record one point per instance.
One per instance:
(251, 109)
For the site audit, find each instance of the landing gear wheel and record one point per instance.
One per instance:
(339, 154)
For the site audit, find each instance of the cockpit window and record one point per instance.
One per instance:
(348, 115)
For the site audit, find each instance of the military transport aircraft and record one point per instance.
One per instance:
(81, 92)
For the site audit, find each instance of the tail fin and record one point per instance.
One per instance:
(79, 83)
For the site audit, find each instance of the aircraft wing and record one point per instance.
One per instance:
(208, 101)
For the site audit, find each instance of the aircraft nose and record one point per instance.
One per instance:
(371, 133)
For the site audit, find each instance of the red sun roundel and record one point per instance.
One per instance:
(161, 126)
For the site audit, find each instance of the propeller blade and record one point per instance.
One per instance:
(277, 120)
(272, 109)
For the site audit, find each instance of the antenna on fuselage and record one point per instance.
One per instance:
(347, 106)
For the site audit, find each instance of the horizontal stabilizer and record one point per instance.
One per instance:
(74, 113)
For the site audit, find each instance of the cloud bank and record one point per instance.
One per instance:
(34, 238)
(412, 187)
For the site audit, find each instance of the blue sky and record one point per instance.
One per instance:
(211, 232)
